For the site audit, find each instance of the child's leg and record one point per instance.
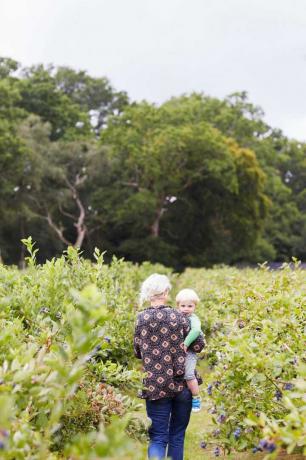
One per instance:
(193, 387)
(190, 365)
(192, 383)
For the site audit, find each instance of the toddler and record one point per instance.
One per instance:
(186, 301)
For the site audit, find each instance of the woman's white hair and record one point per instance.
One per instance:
(154, 286)
(186, 295)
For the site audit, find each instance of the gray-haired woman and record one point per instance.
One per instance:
(159, 342)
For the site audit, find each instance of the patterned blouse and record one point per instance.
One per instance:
(159, 342)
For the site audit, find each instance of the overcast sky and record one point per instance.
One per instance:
(155, 49)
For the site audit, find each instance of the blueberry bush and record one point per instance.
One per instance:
(66, 361)
(255, 323)
(68, 378)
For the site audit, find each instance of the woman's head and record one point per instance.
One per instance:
(155, 289)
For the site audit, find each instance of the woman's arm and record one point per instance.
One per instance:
(137, 341)
(185, 324)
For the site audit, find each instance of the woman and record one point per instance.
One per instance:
(159, 342)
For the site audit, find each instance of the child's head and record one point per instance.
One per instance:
(155, 288)
(187, 300)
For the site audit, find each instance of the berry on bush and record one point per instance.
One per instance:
(266, 445)
(221, 418)
(203, 444)
(263, 444)
(217, 452)
(278, 395)
(237, 433)
(271, 447)
(209, 390)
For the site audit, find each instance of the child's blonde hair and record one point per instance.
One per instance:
(187, 294)
(155, 285)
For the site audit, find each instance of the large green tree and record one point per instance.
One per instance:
(55, 188)
(184, 187)
(282, 160)
(48, 123)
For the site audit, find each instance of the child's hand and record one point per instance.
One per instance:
(185, 348)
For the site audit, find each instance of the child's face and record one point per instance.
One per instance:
(187, 307)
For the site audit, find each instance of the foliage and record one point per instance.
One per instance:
(212, 175)
(53, 318)
(255, 323)
(282, 160)
(94, 95)
(67, 370)
(80, 165)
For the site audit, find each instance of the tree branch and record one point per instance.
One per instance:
(79, 180)
(58, 231)
(80, 224)
(159, 213)
(65, 213)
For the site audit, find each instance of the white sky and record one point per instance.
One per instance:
(155, 49)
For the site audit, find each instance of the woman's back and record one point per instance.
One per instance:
(159, 340)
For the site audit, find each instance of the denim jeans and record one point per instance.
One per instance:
(170, 417)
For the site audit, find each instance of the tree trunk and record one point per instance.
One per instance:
(155, 227)
(80, 224)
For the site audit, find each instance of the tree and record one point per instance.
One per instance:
(41, 96)
(8, 67)
(11, 154)
(53, 189)
(195, 181)
(283, 162)
(161, 159)
(93, 95)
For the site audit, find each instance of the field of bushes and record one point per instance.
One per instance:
(69, 381)
(255, 388)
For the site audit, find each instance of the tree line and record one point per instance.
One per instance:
(194, 181)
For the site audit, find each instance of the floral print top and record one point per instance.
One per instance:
(159, 342)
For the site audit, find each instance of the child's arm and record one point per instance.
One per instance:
(195, 331)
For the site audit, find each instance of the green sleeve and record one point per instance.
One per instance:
(195, 331)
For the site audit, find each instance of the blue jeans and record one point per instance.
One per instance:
(170, 417)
